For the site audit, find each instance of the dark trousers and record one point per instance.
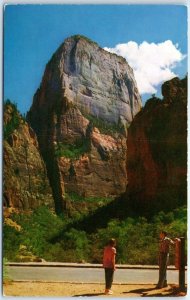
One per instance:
(109, 277)
(163, 262)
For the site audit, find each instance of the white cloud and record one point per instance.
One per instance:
(152, 63)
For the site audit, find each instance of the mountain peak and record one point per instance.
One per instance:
(78, 37)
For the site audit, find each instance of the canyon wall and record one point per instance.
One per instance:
(157, 150)
(25, 182)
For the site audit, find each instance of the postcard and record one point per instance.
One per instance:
(94, 149)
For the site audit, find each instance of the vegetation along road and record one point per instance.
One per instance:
(87, 275)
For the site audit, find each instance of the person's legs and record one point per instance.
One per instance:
(165, 284)
(111, 272)
(108, 278)
(162, 270)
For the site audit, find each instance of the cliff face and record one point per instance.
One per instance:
(157, 150)
(97, 82)
(101, 172)
(26, 185)
(80, 113)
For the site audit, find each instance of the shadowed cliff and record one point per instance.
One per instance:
(157, 150)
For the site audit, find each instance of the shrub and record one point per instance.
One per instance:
(77, 37)
(39, 228)
(11, 242)
(56, 239)
(77, 198)
(137, 239)
(73, 151)
(78, 241)
(14, 121)
(6, 276)
(104, 126)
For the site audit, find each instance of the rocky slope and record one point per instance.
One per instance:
(157, 150)
(86, 100)
(26, 185)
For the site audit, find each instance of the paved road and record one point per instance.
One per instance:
(70, 274)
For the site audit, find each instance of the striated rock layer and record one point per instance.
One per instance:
(26, 185)
(87, 99)
(157, 150)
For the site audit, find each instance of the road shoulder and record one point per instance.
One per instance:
(77, 289)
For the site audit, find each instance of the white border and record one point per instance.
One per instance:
(96, 2)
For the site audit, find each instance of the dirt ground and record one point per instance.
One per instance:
(62, 289)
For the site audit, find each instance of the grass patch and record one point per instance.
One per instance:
(77, 198)
(73, 151)
(104, 126)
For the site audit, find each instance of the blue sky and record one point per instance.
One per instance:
(32, 33)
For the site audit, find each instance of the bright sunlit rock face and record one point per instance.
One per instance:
(96, 81)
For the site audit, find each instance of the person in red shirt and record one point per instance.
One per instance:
(109, 265)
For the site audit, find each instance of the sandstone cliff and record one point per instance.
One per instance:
(157, 150)
(26, 185)
(86, 100)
